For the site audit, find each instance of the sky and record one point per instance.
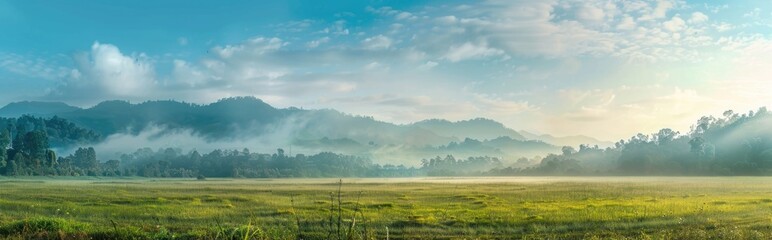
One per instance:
(602, 68)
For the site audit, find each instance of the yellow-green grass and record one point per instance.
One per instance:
(414, 208)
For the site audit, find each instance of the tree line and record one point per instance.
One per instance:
(28, 153)
(734, 144)
(171, 162)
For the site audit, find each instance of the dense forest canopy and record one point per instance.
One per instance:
(61, 133)
(733, 144)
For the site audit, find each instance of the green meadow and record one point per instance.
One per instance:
(409, 208)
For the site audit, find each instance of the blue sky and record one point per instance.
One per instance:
(556, 66)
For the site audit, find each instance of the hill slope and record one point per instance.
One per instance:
(244, 119)
(478, 128)
(573, 141)
(35, 108)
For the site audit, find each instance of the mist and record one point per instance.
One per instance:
(733, 144)
(155, 136)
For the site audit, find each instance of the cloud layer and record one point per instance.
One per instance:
(558, 66)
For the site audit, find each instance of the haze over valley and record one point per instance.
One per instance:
(119, 130)
(250, 123)
(385, 119)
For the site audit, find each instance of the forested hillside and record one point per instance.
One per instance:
(344, 145)
(60, 132)
(733, 144)
(242, 120)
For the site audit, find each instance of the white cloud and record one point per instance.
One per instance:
(405, 16)
(317, 42)
(33, 67)
(660, 11)
(388, 11)
(494, 105)
(188, 75)
(373, 66)
(119, 74)
(590, 13)
(723, 27)
(676, 24)
(428, 65)
(716, 9)
(543, 29)
(337, 28)
(253, 46)
(379, 42)
(447, 19)
(663, 6)
(469, 50)
(635, 6)
(698, 17)
(755, 13)
(627, 23)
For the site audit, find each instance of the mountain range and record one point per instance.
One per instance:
(314, 130)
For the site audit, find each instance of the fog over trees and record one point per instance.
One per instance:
(732, 144)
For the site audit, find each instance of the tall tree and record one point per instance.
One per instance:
(5, 139)
(85, 158)
(51, 159)
(35, 144)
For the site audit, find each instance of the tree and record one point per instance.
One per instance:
(112, 164)
(85, 158)
(567, 150)
(665, 136)
(17, 165)
(5, 139)
(112, 168)
(34, 144)
(51, 159)
(697, 145)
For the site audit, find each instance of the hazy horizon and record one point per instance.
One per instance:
(605, 69)
(386, 119)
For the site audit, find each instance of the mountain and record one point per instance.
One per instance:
(311, 124)
(250, 122)
(35, 108)
(221, 119)
(573, 141)
(522, 147)
(501, 147)
(478, 128)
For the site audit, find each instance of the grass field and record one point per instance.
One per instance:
(416, 208)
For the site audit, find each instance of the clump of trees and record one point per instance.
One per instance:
(450, 166)
(735, 144)
(60, 132)
(171, 162)
(29, 154)
(26, 150)
(25, 147)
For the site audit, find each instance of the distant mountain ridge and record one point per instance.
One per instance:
(215, 119)
(478, 128)
(16, 109)
(573, 141)
(221, 118)
(328, 130)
